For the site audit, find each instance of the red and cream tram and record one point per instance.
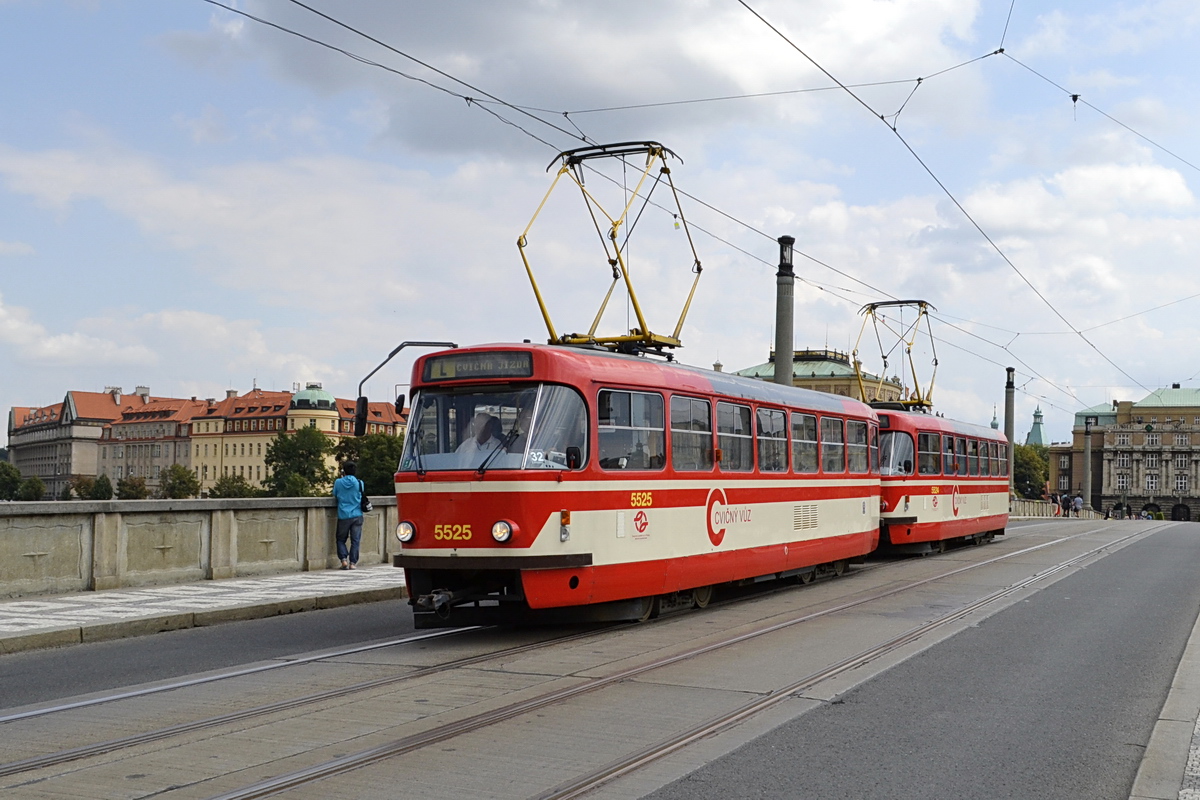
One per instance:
(541, 477)
(942, 481)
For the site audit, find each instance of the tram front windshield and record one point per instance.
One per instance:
(895, 453)
(524, 427)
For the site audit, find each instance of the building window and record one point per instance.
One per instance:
(156, 471)
(1153, 439)
(1152, 482)
(1151, 460)
(1123, 460)
(1064, 482)
(260, 448)
(1181, 483)
(1122, 438)
(1181, 462)
(1064, 462)
(1154, 420)
(1181, 439)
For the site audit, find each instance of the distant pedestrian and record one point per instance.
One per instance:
(1054, 503)
(348, 491)
(1077, 504)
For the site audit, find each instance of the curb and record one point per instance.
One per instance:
(1164, 764)
(143, 626)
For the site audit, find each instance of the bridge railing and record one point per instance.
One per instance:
(58, 547)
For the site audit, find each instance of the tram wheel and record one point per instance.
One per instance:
(980, 539)
(839, 568)
(940, 547)
(808, 577)
(702, 596)
(649, 609)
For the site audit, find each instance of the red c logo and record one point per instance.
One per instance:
(716, 497)
(640, 522)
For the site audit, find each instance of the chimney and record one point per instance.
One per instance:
(142, 391)
(115, 391)
(1174, 385)
(212, 401)
(230, 393)
(193, 398)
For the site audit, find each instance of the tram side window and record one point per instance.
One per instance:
(1004, 459)
(833, 445)
(856, 446)
(993, 460)
(772, 440)
(927, 454)
(804, 443)
(973, 457)
(631, 430)
(897, 453)
(734, 437)
(948, 467)
(691, 434)
(960, 446)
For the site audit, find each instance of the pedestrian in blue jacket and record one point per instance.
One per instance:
(348, 490)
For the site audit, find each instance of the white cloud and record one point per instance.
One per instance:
(30, 342)
(15, 249)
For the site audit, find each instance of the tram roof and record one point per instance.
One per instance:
(604, 366)
(919, 421)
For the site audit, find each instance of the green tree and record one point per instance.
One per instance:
(84, 486)
(296, 464)
(10, 481)
(377, 456)
(179, 482)
(31, 489)
(102, 489)
(65, 494)
(132, 488)
(232, 486)
(1031, 470)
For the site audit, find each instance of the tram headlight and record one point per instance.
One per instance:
(503, 530)
(405, 531)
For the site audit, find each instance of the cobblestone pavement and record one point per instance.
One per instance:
(48, 621)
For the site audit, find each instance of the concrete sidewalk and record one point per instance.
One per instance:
(56, 620)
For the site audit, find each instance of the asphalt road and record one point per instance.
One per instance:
(45, 675)
(1054, 697)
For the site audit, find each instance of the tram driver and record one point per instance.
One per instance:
(473, 451)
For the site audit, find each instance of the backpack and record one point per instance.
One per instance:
(365, 504)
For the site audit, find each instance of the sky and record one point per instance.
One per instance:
(196, 201)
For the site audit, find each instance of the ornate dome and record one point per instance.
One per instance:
(313, 397)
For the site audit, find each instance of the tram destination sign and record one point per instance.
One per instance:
(468, 366)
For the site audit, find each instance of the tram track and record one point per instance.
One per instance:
(408, 744)
(417, 741)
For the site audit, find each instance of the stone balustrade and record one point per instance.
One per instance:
(60, 547)
(1019, 507)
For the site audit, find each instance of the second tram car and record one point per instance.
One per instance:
(540, 477)
(941, 481)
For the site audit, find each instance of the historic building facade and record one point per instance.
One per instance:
(1145, 455)
(110, 433)
(60, 442)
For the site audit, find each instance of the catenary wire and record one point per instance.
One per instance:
(832, 290)
(945, 189)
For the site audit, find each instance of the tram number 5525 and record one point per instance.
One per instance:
(641, 499)
(460, 533)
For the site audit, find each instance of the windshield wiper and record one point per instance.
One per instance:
(509, 438)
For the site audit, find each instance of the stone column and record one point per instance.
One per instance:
(106, 551)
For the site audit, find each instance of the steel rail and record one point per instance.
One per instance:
(100, 748)
(720, 723)
(281, 783)
(235, 673)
